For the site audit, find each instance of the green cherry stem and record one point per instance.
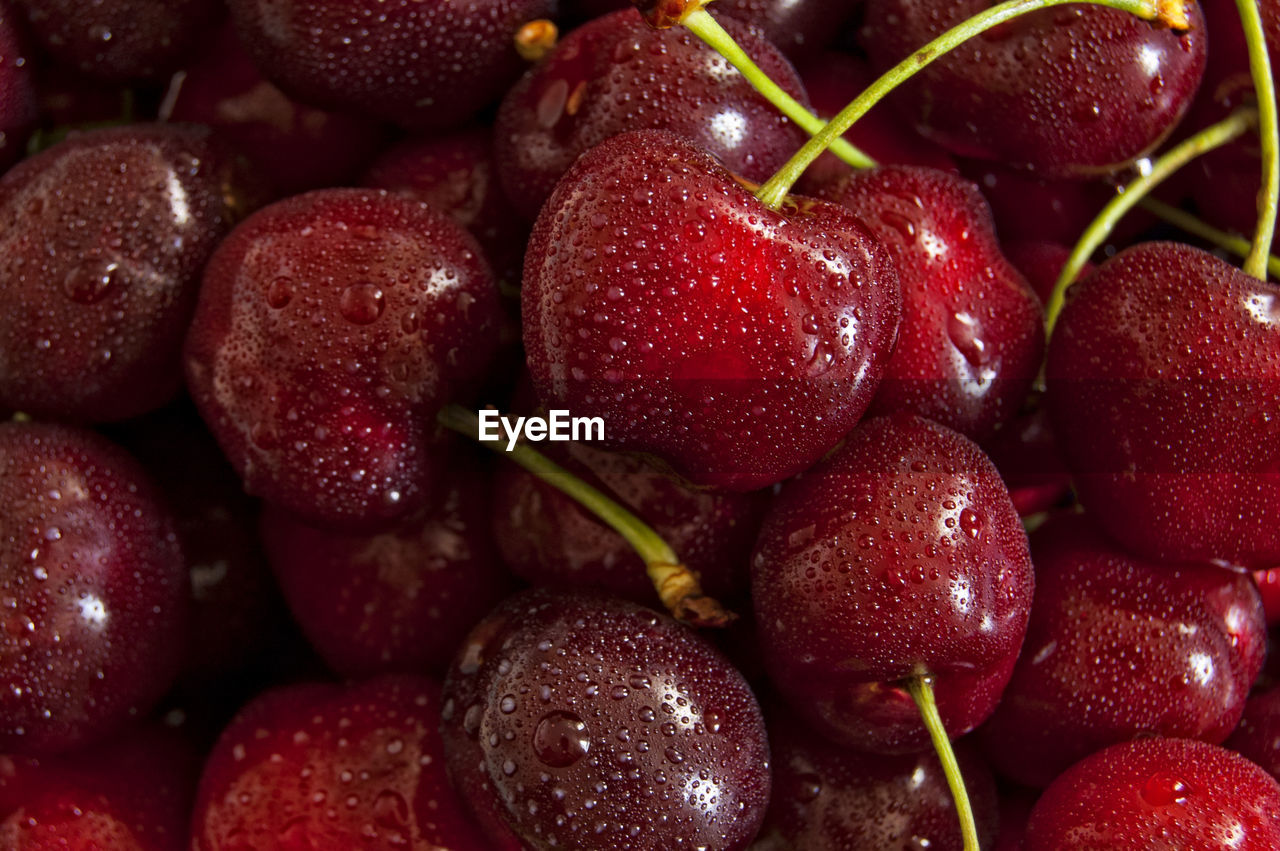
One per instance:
(1213, 136)
(1183, 220)
(1264, 85)
(709, 30)
(774, 191)
(677, 586)
(921, 688)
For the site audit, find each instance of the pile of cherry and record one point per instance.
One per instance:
(254, 595)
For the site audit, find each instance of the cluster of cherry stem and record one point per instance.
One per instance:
(677, 586)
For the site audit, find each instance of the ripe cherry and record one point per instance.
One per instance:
(899, 556)
(1258, 736)
(17, 90)
(735, 343)
(1163, 388)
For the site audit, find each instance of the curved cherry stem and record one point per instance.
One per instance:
(921, 688)
(1264, 85)
(774, 191)
(1213, 136)
(707, 28)
(1183, 220)
(677, 585)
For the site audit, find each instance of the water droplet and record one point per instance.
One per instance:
(966, 335)
(280, 292)
(808, 787)
(90, 281)
(362, 303)
(560, 739)
(1163, 789)
(971, 522)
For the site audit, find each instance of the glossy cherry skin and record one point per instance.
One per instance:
(330, 329)
(1041, 262)
(1158, 794)
(417, 64)
(119, 39)
(972, 333)
(132, 793)
(1117, 647)
(327, 766)
(1258, 736)
(900, 554)
(828, 798)
(294, 146)
(17, 90)
(735, 343)
(549, 539)
(1064, 92)
(1268, 582)
(1030, 463)
(93, 589)
(617, 73)
(1031, 208)
(395, 601)
(576, 720)
(455, 173)
(1163, 391)
(102, 240)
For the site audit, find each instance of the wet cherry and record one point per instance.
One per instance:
(17, 90)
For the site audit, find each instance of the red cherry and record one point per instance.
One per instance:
(102, 239)
(17, 91)
(899, 555)
(972, 332)
(1268, 582)
(1028, 459)
(1118, 646)
(329, 767)
(1066, 92)
(1163, 393)
(331, 327)
(1041, 262)
(93, 587)
(616, 74)
(1258, 736)
(1158, 793)
(735, 343)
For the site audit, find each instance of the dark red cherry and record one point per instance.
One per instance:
(1066, 92)
(326, 767)
(331, 327)
(899, 555)
(1028, 207)
(1258, 736)
(17, 90)
(416, 64)
(1158, 793)
(1015, 810)
(1117, 647)
(735, 343)
(549, 539)
(1163, 391)
(1030, 463)
(575, 720)
(833, 79)
(617, 73)
(119, 39)
(396, 601)
(1041, 262)
(972, 332)
(455, 173)
(1268, 582)
(828, 798)
(294, 146)
(102, 240)
(132, 793)
(93, 589)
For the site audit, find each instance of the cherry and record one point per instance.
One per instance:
(295, 146)
(102, 240)
(330, 328)
(17, 91)
(741, 357)
(900, 555)
(579, 720)
(1158, 793)
(455, 173)
(400, 600)
(1041, 262)
(1268, 582)
(550, 539)
(130, 794)
(92, 589)
(1258, 736)
(972, 332)
(419, 65)
(1016, 804)
(1119, 646)
(828, 798)
(325, 766)
(617, 73)
(1065, 92)
(1029, 462)
(1162, 391)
